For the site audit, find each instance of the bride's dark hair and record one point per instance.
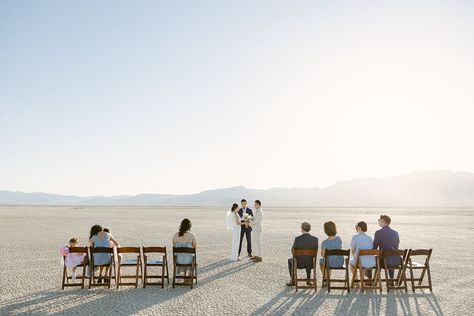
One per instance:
(234, 207)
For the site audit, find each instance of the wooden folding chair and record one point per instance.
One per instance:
(307, 253)
(149, 262)
(192, 267)
(135, 262)
(373, 283)
(82, 277)
(400, 282)
(110, 266)
(424, 267)
(327, 270)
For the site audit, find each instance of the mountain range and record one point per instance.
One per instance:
(416, 189)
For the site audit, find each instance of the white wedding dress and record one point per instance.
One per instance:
(232, 225)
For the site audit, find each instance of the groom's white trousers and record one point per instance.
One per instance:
(257, 240)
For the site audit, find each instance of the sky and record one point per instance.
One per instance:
(129, 97)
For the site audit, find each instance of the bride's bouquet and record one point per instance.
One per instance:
(247, 217)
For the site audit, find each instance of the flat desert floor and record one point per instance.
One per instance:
(31, 266)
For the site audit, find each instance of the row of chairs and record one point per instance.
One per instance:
(143, 260)
(369, 278)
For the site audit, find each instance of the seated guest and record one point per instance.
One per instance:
(72, 260)
(99, 238)
(184, 239)
(305, 241)
(387, 239)
(361, 241)
(332, 242)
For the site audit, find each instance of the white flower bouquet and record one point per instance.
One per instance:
(247, 217)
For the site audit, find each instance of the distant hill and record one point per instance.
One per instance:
(417, 189)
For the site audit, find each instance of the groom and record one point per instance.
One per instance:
(245, 229)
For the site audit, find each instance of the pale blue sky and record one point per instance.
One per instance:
(126, 97)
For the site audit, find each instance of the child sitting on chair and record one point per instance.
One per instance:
(72, 260)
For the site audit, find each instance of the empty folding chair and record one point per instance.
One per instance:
(424, 267)
(150, 262)
(66, 277)
(191, 268)
(298, 253)
(124, 262)
(98, 257)
(327, 270)
(400, 281)
(374, 282)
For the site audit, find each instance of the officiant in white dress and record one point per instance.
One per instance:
(256, 225)
(233, 224)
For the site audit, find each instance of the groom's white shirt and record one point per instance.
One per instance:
(257, 220)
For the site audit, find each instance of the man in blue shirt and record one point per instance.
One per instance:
(387, 239)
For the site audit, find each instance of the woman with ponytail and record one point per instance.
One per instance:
(184, 239)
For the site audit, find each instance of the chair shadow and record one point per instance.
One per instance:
(77, 301)
(58, 302)
(354, 303)
(308, 303)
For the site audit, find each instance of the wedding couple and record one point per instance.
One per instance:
(243, 222)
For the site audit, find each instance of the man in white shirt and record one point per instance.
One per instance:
(256, 225)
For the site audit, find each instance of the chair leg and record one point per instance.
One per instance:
(347, 279)
(295, 275)
(362, 279)
(404, 277)
(110, 276)
(119, 272)
(167, 271)
(91, 274)
(83, 275)
(379, 276)
(328, 277)
(163, 275)
(314, 277)
(174, 274)
(195, 271)
(429, 276)
(64, 277)
(136, 276)
(412, 281)
(144, 275)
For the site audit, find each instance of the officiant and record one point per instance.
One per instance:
(245, 229)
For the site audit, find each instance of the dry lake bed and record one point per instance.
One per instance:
(30, 264)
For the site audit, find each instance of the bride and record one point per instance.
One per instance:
(233, 224)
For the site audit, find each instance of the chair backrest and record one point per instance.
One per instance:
(395, 253)
(420, 252)
(128, 249)
(82, 250)
(304, 252)
(337, 252)
(369, 252)
(183, 250)
(154, 249)
(101, 250)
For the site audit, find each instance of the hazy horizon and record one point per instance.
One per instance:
(114, 97)
(247, 187)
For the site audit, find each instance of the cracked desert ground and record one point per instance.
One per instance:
(31, 266)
